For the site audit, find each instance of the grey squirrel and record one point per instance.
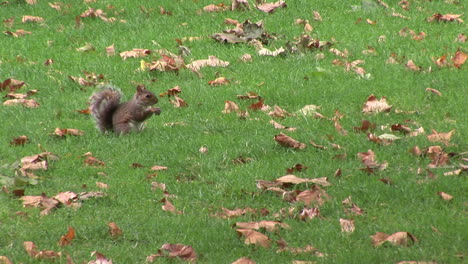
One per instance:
(112, 115)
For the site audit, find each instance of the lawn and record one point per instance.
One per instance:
(391, 191)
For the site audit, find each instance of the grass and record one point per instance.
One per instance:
(203, 183)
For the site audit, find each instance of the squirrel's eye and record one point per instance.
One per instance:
(148, 96)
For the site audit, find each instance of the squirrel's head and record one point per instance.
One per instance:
(146, 97)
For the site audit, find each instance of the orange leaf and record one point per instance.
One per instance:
(66, 239)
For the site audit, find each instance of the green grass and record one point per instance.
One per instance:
(203, 183)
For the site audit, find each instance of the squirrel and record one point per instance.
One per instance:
(112, 115)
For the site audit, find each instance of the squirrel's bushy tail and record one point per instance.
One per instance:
(103, 105)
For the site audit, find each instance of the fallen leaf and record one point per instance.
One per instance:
(11, 84)
(102, 185)
(313, 196)
(269, 226)
(114, 229)
(412, 66)
(292, 179)
(6, 260)
(437, 92)
(350, 207)
(399, 238)
(66, 239)
(445, 196)
(158, 168)
(17, 33)
(92, 161)
(437, 156)
(286, 141)
(35, 19)
(181, 251)
(372, 105)
(254, 237)
(317, 16)
(278, 112)
(365, 126)
(203, 150)
(169, 207)
(296, 251)
(86, 48)
(240, 5)
(279, 126)
(110, 50)
(219, 81)
(212, 61)
(459, 58)
(178, 102)
(445, 18)
(243, 260)
(226, 213)
(30, 248)
(347, 226)
(440, 137)
(19, 141)
(309, 213)
(298, 167)
(271, 7)
(215, 8)
(100, 258)
(28, 103)
(134, 53)
(62, 132)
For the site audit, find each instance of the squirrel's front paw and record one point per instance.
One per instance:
(155, 110)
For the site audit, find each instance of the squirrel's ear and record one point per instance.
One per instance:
(141, 88)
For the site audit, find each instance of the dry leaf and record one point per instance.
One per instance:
(169, 207)
(230, 107)
(35, 19)
(459, 58)
(317, 16)
(292, 179)
(437, 92)
(314, 196)
(62, 132)
(440, 137)
(347, 226)
(445, 18)
(92, 161)
(212, 61)
(278, 112)
(178, 102)
(243, 260)
(399, 238)
(114, 229)
(203, 150)
(181, 251)
(134, 53)
(17, 33)
(445, 196)
(6, 260)
(66, 239)
(286, 141)
(110, 50)
(19, 141)
(309, 213)
(271, 7)
(28, 103)
(254, 237)
(100, 258)
(158, 168)
(350, 207)
(372, 105)
(268, 225)
(219, 81)
(410, 65)
(102, 185)
(30, 248)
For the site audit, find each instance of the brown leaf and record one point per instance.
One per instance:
(66, 198)
(298, 167)
(235, 213)
(445, 196)
(28, 103)
(17, 33)
(219, 81)
(100, 258)
(271, 7)
(437, 156)
(461, 38)
(181, 251)
(240, 5)
(350, 207)
(230, 107)
(212, 61)
(215, 8)
(30, 248)
(254, 237)
(372, 105)
(370, 22)
(159, 168)
(365, 126)
(296, 251)
(317, 16)
(11, 84)
(45, 203)
(169, 207)
(437, 92)
(440, 137)
(110, 50)
(347, 226)
(309, 213)
(19, 141)
(62, 132)
(102, 185)
(178, 102)
(134, 53)
(445, 18)
(268, 225)
(296, 180)
(66, 239)
(35, 19)
(6, 260)
(114, 229)
(243, 260)
(92, 161)
(399, 238)
(313, 196)
(412, 66)
(459, 58)
(289, 142)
